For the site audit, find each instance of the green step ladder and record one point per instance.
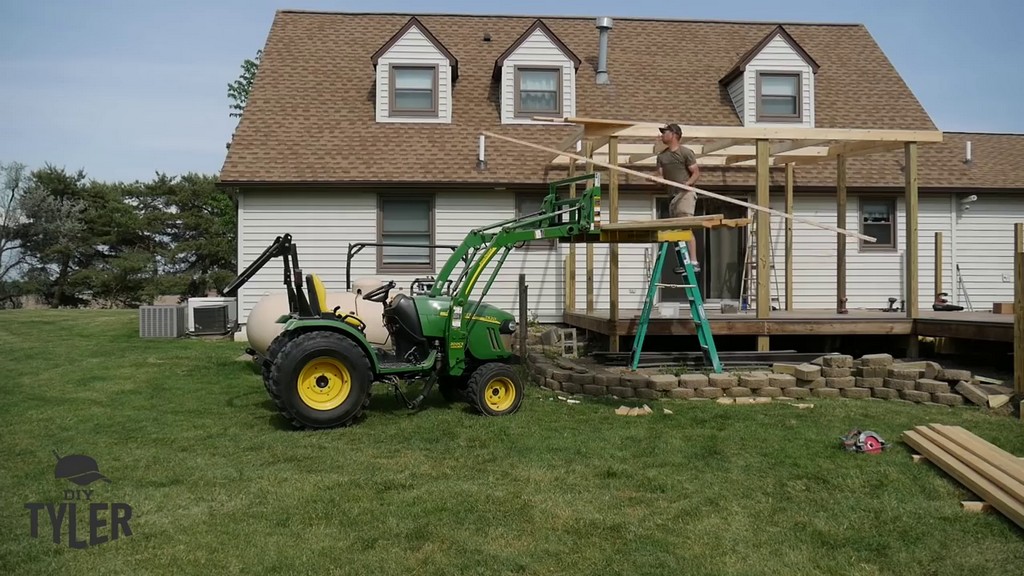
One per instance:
(700, 320)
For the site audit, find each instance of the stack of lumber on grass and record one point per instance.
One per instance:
(686, 222)
(992, 473)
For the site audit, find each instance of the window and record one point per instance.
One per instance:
(778, 97)
(878, 220)
(538, 91)
(405, 220)
(530, 203)
(413, 91)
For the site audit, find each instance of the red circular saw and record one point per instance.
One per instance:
(864, 441)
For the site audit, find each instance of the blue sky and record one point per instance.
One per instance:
(114, 88)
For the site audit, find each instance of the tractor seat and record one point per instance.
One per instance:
(318, 302)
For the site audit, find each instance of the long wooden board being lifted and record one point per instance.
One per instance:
(687, 222)
(660, 180)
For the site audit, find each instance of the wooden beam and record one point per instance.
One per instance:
(910, 173)
(848, 149)
(764, 303)
(840, 239)
(789, 236)
(588, 148)
(681, 223)
(630, 129)
(570, 281)
(613, 248)
(938, 264)
(1018, 310)
(718, 145)
(659, 180)
(794, 145)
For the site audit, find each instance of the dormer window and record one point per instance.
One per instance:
(773, 83)
(778, 97)
(538, 91)
(415, 75)
(536, 76)
(413, 91)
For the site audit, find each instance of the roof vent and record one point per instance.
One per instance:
(968, 157)
(487, 37)
(604, 26)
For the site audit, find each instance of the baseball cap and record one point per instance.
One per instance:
(672, 128)
(78, 468)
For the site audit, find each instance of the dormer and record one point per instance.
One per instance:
(537, 77)
(773, 83)
(414, 77)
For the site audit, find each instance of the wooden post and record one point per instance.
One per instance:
(588, 148)
(789, 237)
(1018, 312)
(910, 175)
(570, 281)
(938, 264)
(524, 312)
(613, 249)
(841, 238)
(764, 303)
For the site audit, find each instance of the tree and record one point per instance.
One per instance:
(13, 181)
(238, 91)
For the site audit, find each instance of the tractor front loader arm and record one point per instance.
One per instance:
(565, 218)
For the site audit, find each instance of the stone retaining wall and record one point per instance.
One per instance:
(833, 376)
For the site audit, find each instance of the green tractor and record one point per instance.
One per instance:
(320, 368)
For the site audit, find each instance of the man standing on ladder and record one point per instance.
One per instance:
(678, 164)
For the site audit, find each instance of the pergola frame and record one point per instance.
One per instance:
(621, 144)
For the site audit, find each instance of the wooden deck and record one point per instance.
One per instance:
(966, 325)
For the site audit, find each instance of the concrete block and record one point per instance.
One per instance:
(723, 380)
(769, 392)
(738, 392)
(812, 384)
(836, 372)
(885, 393)
(840, 383)
(837, 361)
(562, 375)
(595, 390)
(915, 396)
(647, 394)
(553, 384)
(710, 393)
(606, 379)
(784, 369)
(856, 393)
(664, 382)
(797, 393)
(583, 379)
(948, 399)
(932, 386)
(900, 384)
(693, 381)
(905, 373)
(754, 380)
(952, 376)
(682, 393)
(807, 372)
(876, 360)
(635, 380)
(622, 391)
(572, 388)
(782, 381)
(869, 382)
(825, 393)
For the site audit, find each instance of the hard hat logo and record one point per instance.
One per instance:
(78, 468)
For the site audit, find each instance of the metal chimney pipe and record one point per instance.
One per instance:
(604, 25)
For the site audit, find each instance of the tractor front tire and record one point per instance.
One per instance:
(322, 380)
(495, 389)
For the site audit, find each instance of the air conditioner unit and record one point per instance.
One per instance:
(167, 321)
(212, 315)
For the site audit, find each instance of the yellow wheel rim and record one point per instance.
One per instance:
(324, 383)
(499, 394)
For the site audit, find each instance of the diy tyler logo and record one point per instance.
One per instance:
(106, 521)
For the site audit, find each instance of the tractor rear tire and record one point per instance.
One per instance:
(496, 390)
(276, 345)
(322, 380)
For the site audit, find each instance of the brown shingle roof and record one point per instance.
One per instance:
(310, 117)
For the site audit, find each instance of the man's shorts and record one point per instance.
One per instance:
(683, 204)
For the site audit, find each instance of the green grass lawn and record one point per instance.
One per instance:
(217, 485)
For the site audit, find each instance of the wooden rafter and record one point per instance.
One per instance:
(736, 145)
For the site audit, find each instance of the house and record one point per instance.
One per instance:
(365, 128)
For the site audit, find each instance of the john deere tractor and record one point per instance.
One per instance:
(320, 368)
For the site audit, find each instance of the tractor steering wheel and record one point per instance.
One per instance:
(380, 293)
